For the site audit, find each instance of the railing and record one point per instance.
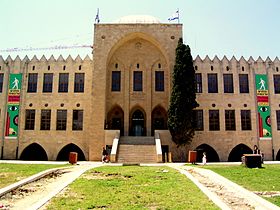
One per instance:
(158, 147)
(113, 156)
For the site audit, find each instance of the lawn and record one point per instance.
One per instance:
(255, 179)
(132, 187)
(11, 173)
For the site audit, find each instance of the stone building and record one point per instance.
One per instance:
(119, 99)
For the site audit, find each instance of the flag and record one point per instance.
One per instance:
(97, 20)
(175, 16)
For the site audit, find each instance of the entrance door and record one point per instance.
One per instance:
(137, 127)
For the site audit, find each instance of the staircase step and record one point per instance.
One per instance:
(137, 140)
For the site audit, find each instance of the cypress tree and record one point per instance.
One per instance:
(183, 97)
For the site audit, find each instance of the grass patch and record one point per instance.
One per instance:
(132, 187)
(255, 179)
(11, 173)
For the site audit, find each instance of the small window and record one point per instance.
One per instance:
(214, 120)
(227, 68)
(195, 68)
(212, 83)
(33, 68)
(230, 120)
(277, 69)
(116, 81)
(47, 83)
(137, 81)
(159, 80)
(80, 67)
(29, 119)
(116, 66)
(212, 68)
(77, 123)
(45, 119)
(0, 68)
(1, 82)
(137, 65)
(32, 83)
(159, 66)
(49, 68)
(79, 82)
(243, 68)
(64, 67)
(198, 120)
(228, 83)
(198, 82)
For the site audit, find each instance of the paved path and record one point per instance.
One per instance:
(224, 193)
(38, 198)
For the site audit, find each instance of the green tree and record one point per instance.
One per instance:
(183, 97)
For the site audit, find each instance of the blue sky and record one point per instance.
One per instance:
(211, 27)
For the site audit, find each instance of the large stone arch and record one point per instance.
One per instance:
(211, 154)
(278, 155)
(137, 116)
(63, 154)
(115, 119)
(159, 119)
(238, 151)
(34, 151)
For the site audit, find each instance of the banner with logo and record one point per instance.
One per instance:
(13, 105)
(263, 107)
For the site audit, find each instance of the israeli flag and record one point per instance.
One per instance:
(175, 16)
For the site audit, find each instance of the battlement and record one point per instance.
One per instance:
(251, 60)
(43, 59)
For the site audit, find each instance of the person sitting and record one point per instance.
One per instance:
(105, 156)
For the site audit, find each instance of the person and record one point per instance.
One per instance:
(104, 156)
(204, 158)
(256, 150)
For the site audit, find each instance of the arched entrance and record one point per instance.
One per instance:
(159, 119)
(137, 123)
(63, 155)
(238, 151)
(278, 155)
(115, 119)
(211, 154)
(34, 152)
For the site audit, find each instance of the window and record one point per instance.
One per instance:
(116, 81)
(32, 83)
(228, 83)
(48, 82)
(45, 119)
(198, 80)
(246, 120)
(198, 119)
(1, 82)
(230, 120)
(77, 120)
(212, 83)
(243, 83)
(137, 81)
(214, 120)
(159, 80)
(278, 119)
(63, 83)
(276, 79)
(29, 119)
(79, 82)
(61, 120)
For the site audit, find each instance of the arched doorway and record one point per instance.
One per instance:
(278, 155)
(63, 155)
(115, 119)
(34, 152)
(159, 119)
(137, 123)
(211, 154)
(238, 151)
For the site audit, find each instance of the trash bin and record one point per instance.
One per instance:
(192, 157)
(73, 157)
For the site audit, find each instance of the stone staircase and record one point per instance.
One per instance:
(136, 149)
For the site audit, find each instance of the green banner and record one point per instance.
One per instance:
(13, 105)
(263, 107)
